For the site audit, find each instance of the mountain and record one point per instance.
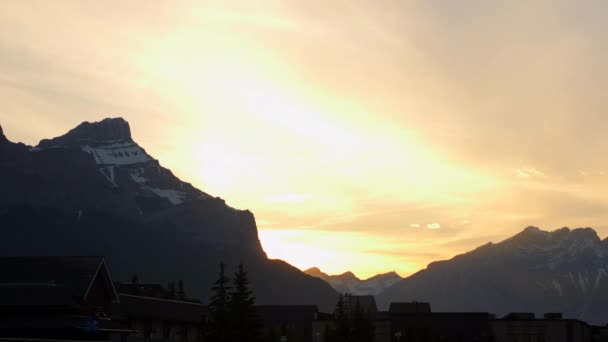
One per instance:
(348, 283)
(95, 191)
(535, 271)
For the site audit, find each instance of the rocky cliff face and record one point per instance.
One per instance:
(561, 271)
(111, 130)
(95, 191)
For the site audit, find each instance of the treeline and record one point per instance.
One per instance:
(350, 324)
(232, 316)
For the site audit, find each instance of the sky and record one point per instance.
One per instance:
(368, 136)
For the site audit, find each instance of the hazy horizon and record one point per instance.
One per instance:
(365, 136)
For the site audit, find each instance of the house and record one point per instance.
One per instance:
(600, 333)
(158, 319)
(552, 327)
(416, 322)
(58, 298)
(410, 307)
(367, 305)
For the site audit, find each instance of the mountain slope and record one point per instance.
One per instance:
(95, 191)
(348, 283)
(535, 270)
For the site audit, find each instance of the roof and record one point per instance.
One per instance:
(411, 307)
(35, 295)
(144, 290)
(36, 280)
(157, 308)
(154, 291)
(520, 316)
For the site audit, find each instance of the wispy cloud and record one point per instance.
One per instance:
(434, 225)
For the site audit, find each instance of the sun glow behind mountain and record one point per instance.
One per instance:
(365, 136)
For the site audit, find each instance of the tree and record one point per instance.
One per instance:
(135, 279)
(341, 331)
(219, 323)
(244, 320)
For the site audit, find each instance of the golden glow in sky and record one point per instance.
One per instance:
(367, 136)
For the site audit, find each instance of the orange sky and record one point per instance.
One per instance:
(365, 135)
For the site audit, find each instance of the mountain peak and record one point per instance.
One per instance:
(531, 235)
(535, 237)
(585, 233)
(348, 275)
(104, 131)
(315, 272)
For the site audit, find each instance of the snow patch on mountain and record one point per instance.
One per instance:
(558, 287)
(117, 154)
(108, 172)
(137, 176)
(174, 196)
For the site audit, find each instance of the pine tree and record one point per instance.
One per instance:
(341, 331)
(219, 323)
(244, 320)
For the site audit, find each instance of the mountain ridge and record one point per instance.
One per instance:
(348, 282)
(565, 270)
(94, 190)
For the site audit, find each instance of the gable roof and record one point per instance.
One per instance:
(157, 308)
(38, 276)
(28, 295)
(144, 290)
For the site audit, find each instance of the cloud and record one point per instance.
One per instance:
(434, 110)
(434, 225)
(525, 172)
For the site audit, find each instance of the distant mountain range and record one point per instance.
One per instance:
(95, 191)
(537, 271)
(349, 283)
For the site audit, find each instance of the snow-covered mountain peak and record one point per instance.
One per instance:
(565, 270)
(122, 162)
(108, 141)
(348, 282)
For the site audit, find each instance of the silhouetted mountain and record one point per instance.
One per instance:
(535, 270)
(94, 191)
(349, 283)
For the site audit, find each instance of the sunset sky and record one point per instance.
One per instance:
(368, 136)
